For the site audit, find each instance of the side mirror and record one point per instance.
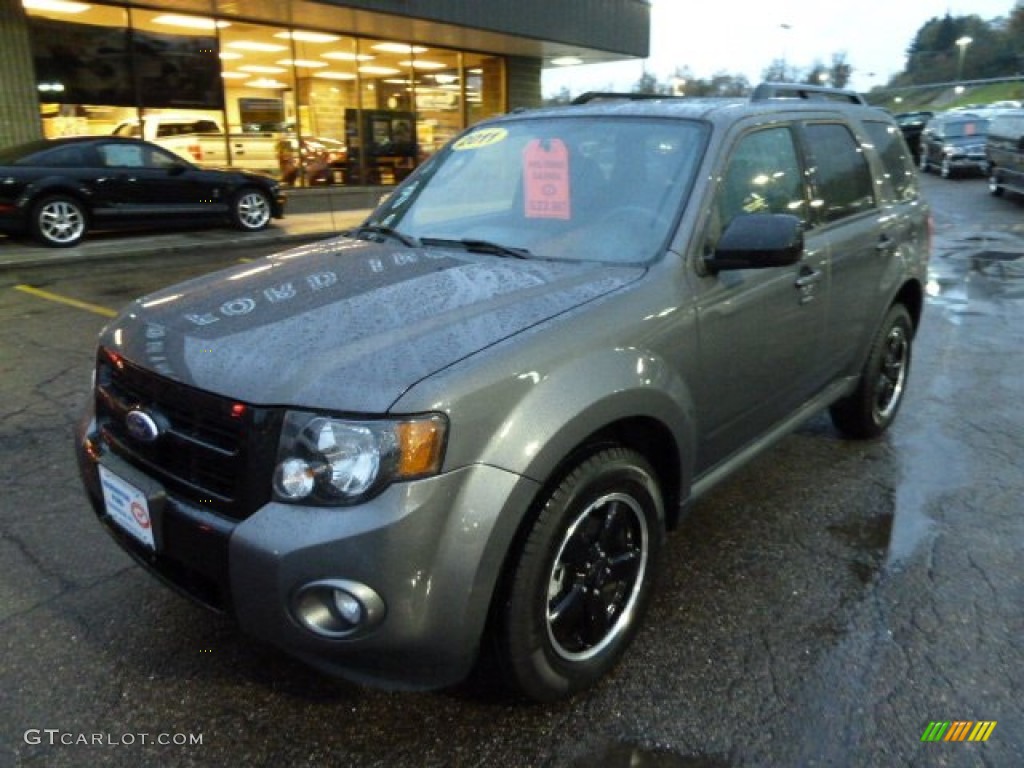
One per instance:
(758, 241)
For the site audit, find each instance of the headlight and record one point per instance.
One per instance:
(332, 461)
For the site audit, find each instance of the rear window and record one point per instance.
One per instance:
(896, 159)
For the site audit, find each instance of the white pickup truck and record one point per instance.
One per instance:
(202, 141)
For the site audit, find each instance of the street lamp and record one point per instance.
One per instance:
(962, 44)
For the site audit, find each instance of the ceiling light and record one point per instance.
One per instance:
(248, 45)
(234, 75)
(567, 61)
(191, 22)
(261, 70)
(230, 55)
(306, 63)
(399, 48)
(346, 56)
(335, 75)
(308, 37)
(55, 6)
(371, 70)
(265, 82)
(423, 64)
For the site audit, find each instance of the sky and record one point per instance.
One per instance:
(746, 37)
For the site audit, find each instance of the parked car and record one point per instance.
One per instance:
(1004, 152)
(954, 143)
(912, 125)
(465, 426)
(58, 190)
(202, 141)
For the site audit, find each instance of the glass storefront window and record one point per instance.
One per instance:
(82, 67)
(311, 106)
(439, 100)
(484, 86)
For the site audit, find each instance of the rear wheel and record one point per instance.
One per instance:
(251, 210)
(59, 221)
(580, 583)
(872, 407)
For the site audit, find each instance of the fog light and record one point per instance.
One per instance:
(337, 609)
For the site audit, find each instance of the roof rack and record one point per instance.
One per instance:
(589, 96)
(766, 91)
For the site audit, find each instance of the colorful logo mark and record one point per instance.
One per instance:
(958, 730)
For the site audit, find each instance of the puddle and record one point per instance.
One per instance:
(628, 756)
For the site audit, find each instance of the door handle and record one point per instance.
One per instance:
(808, 277)
(805, 283)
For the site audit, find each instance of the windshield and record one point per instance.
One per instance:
(576, 188)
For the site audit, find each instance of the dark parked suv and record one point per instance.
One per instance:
(465, 426)
(953, 143)
(1004, 151)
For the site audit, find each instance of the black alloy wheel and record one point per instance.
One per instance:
(583, 577)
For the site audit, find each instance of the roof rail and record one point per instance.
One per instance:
(589, 96)
(766, 91)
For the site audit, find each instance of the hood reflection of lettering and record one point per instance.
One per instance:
(359, 341)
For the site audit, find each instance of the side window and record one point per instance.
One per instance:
(762, 175)
(896, 159)
(841, 173)
(154, 157)
(121, 155)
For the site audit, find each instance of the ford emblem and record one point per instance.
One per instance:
(141, 426)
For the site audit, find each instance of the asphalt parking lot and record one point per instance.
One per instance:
(822, 608)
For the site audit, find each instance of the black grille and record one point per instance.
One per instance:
(214, 452)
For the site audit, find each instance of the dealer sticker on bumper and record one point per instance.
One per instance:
(127, 507)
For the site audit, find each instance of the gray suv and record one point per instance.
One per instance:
(465, 426)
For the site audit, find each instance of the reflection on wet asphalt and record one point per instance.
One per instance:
(627, 756)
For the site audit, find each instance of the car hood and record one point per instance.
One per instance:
(345, 324)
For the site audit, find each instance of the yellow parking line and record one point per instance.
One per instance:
(94, 308)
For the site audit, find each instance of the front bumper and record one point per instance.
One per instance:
(432, 550)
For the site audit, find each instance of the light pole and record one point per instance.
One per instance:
(785, 52)
(962, 44)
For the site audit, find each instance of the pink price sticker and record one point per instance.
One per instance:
(546, 179)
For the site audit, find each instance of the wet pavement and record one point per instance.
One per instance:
(820, 608)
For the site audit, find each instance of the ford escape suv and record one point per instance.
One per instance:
(466, 425)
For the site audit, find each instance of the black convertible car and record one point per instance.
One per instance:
(59, 189)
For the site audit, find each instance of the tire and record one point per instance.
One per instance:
(575, 593)
(994, 187)
(872, 407)
(251, 210)
(59, 221)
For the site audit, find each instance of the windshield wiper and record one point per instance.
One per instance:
(481, 246)
(366, 231)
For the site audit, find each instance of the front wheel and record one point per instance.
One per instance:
(994, 187)
(580, 583)
(59, 221)
(251, 210)
(872, 407)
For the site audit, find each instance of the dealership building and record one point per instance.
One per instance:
(382, 82)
